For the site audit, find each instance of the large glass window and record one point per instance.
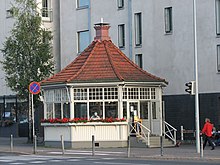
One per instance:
(121, 36)
(83, 40)
(217, 8)
(66, 110)
(57, 110)
(111, 109)
(138, 29)
(125, 110)
(168, 19)
(49, 113)
(80, 110)
(144, 108)
(96, 107)
(83, 3)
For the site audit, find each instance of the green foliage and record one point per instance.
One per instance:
(27, 52)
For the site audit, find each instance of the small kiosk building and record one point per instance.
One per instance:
(103, 80)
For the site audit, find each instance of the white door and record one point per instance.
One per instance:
(151, 117)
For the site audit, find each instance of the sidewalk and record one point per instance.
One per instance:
(184, 152)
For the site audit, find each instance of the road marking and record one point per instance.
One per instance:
(116, 163)
(6, 161)
(37, 162)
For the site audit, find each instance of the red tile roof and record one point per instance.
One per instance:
(102, 61)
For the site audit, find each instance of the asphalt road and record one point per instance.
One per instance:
(57, 160)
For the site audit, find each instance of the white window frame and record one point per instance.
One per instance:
(46, 11)
(138, 28)
(121, 35)
(168, 20)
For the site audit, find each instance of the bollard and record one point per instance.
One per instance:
(62, 144)
(93, 145)
(161, 145)
(11, 143)
(201, 148)
(181, 131)
(129, 147)
(35, 144)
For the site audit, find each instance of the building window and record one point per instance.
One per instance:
(9, 13)
(80, 110)
(138, 60)
(168, 19)
(138, 29)
(217, 8)
(82, 3)
(218, 58)
(83, 40)
(121, 36)
(111, 109)
(120, 4)
(46, 10)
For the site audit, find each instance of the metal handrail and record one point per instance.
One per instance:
(170, 132)
(138, 125)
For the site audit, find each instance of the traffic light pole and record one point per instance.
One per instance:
(196, 79)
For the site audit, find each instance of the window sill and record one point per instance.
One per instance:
(82, 7)
(168, 33)
(138, 46)
(121, 47)
(121, 8)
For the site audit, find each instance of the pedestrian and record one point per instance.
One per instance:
(207, 132)
(95, 116)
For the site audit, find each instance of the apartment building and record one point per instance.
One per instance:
(157, 35)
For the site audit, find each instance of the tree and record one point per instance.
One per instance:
(27, 52)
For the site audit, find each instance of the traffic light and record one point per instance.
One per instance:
(190, 87)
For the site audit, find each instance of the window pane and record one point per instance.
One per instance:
(121, 36)
(83, 3)
(217, 16)
(45, 8)
(138, 29)
(57, 110)
(66, 110)
(49, 111)
(168, 19)
(96, 107)
(154, 110)
(138, 60)
(83, 40)
(111, 109)
(218, 58)
(120, 3)
(124, 109)
(80, 110)
(144, 110)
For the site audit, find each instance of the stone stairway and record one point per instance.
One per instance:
(140, 142)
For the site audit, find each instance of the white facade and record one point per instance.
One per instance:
(170, 56)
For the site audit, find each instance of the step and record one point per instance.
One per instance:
(154, 142)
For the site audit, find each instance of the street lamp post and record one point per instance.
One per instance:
(196, 80)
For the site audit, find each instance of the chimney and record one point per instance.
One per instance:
(102, 31)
